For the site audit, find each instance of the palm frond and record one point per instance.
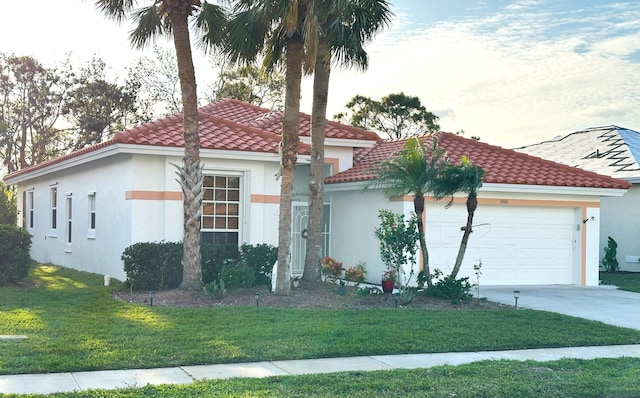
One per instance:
(149, 25)
(210, 22)
(115, 9)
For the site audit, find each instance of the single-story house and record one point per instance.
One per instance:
(613, 151)
(537, 221)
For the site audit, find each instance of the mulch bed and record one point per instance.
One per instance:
(307, 295)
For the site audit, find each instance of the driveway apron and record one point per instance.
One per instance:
(599, 303)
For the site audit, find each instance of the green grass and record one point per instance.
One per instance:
(629, 281)
(74, 324)
(565, 378)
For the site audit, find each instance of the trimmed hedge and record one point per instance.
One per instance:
(158, 265)
(153, 265)
(15, 260)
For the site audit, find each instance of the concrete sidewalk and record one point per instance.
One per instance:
(113, 379)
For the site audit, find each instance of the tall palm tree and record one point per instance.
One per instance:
(344, 27)
(465, 177)
(277, 29)
(171, 17)
(413, 170)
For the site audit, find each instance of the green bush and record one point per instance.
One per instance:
(610, 260)
(214, 257)
(158, 265)
(260, 258)
(153, 265)
(237, 275)
(14, 254)
(451, 288)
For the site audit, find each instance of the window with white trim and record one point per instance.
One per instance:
(69, 218)
(30, 211)
(54, 208)
(92, 211)
(220, 222)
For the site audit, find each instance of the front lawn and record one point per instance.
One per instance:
(73, 324)
(629, 281)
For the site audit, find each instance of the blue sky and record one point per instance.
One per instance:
(513, 72)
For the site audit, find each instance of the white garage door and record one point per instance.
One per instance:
(517, 245)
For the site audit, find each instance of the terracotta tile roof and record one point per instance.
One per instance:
(269, 120)
(502, 166)
(215, 133)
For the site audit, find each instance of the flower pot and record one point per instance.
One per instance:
(387, 286)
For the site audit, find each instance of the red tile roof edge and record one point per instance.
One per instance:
(361, 171)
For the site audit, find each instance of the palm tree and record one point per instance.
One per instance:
(277, 29)
(344, 27)
(413, 170)
(171, 17)
(465, 177)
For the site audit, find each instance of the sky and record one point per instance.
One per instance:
(513, 72)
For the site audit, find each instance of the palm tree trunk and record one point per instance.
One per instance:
(316, 170)
(191, 171)
(418, 206)
(290, 140)
(472, 204)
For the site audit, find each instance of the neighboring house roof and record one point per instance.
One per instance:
(501, 166)
(227, 124)
(608, 150)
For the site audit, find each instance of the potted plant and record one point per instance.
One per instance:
(388, 281)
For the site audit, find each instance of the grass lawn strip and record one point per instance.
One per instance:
(629, 281)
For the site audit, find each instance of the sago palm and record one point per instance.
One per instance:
(171, 18)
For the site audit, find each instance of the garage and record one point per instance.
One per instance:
(518, 245)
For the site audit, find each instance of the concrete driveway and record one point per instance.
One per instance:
(605, 304)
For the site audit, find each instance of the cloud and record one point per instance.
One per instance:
(513, 78)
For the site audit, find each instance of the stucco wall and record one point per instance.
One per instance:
(96, 251)
(621, 221)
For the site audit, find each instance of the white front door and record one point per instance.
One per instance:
(298, 235)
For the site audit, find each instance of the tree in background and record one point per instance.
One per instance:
(396, 115)
(171, 18)
(97, 108)
(31, 98)
(344, 28)
(250, 83)
(159, 83)
(8, 212)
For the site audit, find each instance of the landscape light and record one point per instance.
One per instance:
(151, 295)
(516, 295)
(257, 297)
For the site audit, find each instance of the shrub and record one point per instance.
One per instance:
(153, 265)
(214, 257)
(451, 288)
(260, 258)
(14, 254)
(237, 275)
(610, 260)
